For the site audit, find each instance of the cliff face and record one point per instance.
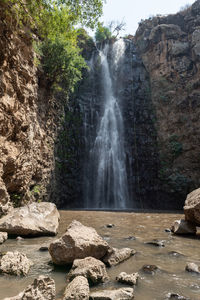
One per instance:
(170, 50)
(27, 120)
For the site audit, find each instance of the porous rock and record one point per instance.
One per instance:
(91, 268)
(77, 289)
(42, 288)
(115, 256)
(130, 279)
(183, 227)
(118, 294)
(33, 219)
(15, 263)
(192, 207)
(3, 237)
(79, 241)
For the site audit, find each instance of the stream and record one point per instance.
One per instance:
(129, 230)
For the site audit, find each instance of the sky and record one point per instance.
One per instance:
(132, 11)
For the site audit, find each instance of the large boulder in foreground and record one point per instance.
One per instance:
(34, 219)
(15, 263)
(79, 241)
(77, 289)
(192, 207)
(119, 294)
(91, 268)
(42, 288)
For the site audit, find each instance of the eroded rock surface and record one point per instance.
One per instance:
(15, 263)
(79, 241)
(192, 207)
(119, 294)
(77, 289)
(192, 267)
(91, 268)
(3, 237)
(116, 256)
(130, 279)
(42, 288)
(33, 219)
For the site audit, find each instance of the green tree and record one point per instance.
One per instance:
(102, 33)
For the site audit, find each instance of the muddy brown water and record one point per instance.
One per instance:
(171, 277)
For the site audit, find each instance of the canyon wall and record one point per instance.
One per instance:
(170, 50)
(29, 118)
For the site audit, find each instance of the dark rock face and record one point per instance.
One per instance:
(169, 47)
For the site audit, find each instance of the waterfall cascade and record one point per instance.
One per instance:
(106, 176)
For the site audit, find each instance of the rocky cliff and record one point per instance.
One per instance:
(28, 115)
(170, 50)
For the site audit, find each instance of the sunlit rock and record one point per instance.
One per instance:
(183, 227)
(3, 237)
(192, 207)
(119, 294)
(116, 256)
(130, 279)
(15, 263)
(77, 289)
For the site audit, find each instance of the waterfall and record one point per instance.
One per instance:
(106, 177)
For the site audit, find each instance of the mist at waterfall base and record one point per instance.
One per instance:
(105, 177)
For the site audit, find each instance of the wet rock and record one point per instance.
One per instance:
(119, 294)
(150, 269)
(42, 288)
(115, 256)
(167, 230)
(130, 279)
(44, 248)
(77, 289)
(174, 296)
(19, 238)
(156, 243)
(91, 268)
(183, 227)
(33, 219)
(175, 254)
(79, 241)
(192, 207)
(3, 237)
(130, 238)
(192, 267)
(15, 263)
(110, 225)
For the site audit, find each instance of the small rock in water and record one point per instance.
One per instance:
(3, 237)
(167, 230)
(115, 256)
(156, 243)
(43, 248)
(77, 289)
(174, 296)
(192, 267)
(175, 254)
(19, 238)
(110, 225)
(130, 279)
(183, 227)
(15, 263)
(91, 268)
(150, 269)
(119, 294)
(130, 238)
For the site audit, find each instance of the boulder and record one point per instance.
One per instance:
(192, 207)
(77, 289)
(42, 288)
(33, 219)
(183, 227)
(3, 237)
(130, 279)
(115, 256)
(192, 267)
(79, 241)
(119, 294)
(91, 268)
(15, 263)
